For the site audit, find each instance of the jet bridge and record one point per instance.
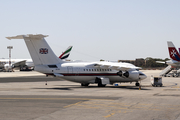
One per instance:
(166, 71)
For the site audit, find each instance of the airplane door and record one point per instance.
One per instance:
(77, 70)
(70, 69)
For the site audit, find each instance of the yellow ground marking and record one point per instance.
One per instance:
(102, 104)
(175, 87)
(120, 104)
(73, 104)
(91, 107)
(123, 104)
(109, 115)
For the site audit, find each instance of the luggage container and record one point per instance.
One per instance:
(156, 81)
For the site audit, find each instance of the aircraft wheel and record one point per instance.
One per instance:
(101, 85)
(84, 84)
(137, 84)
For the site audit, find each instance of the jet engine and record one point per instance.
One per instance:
(134, 75)
(121, 73)
(126, 74)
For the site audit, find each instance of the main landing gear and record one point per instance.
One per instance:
(99, 82)
(137, 84)
(84, 84)
(101, 85)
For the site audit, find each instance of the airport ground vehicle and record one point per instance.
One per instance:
(156, 81)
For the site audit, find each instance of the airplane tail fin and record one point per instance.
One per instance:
(40, 51)
(66, 54)
(173, 53)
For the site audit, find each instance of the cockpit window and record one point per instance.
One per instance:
(141, 74)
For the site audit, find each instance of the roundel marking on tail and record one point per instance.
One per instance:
(43, 51)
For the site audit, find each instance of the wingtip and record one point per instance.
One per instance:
(8, 38)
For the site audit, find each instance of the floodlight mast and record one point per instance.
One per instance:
(9, 47)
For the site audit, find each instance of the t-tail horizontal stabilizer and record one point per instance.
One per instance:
(40, 51)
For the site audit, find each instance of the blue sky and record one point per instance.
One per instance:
(97, 29)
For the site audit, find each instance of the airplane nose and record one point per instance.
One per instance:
(142, 76)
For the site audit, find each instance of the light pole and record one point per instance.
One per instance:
(9, 47)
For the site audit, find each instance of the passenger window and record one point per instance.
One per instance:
(89, 69)
(86, 69)
(92, 69)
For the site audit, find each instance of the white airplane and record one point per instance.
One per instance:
(86, 73)
(173, 64)
(26, 64)
(16, 64)
(174, 55)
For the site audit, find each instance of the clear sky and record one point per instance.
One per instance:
(97, 29)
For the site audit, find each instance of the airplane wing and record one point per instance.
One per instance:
(58, 75)
(161, 62)
(115, 66)
(66, 54)
(21, 63)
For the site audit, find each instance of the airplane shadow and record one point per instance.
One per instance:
(56, 88)
(114, 87)
(71, 87)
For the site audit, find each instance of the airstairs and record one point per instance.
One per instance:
(166, 71)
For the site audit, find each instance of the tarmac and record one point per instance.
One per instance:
(25, 96)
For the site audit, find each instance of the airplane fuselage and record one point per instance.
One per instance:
(83, 73)
(173, 63)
